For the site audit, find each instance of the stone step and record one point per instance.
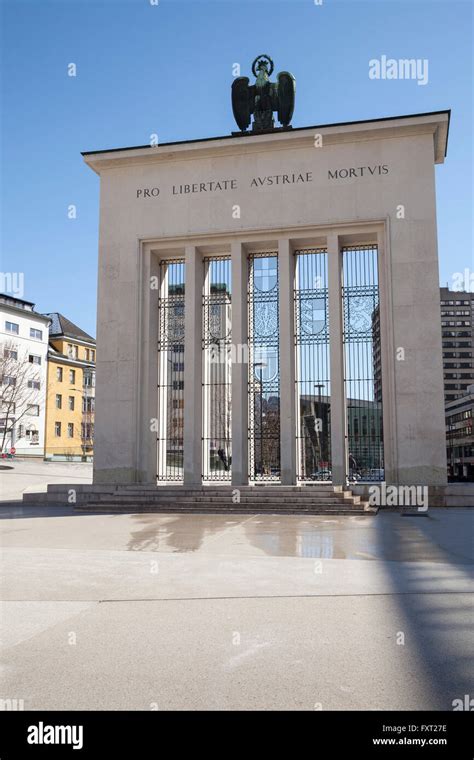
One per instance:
(252, 500)
(220, 491)
(244, 502)
(254, 505)
(192, 508)
(158, 493)
(180, 488)
(277, 498)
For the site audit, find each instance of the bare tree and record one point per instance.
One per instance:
(19, 390)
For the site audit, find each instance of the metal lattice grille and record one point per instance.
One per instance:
(313, 389)
(217, 369)
(171, 371)
(363, 371)
(264, 367)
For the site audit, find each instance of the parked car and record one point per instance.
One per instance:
(354, 477)
(322, 475)
(377, 473)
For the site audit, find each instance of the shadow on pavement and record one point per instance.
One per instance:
(435, 597)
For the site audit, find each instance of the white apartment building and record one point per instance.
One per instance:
(23, 368)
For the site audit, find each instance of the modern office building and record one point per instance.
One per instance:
(23, 370)
(457, 325)
(70, 403)
(460, 436)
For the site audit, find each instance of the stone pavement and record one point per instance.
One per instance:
(33, 475)
(219, 612)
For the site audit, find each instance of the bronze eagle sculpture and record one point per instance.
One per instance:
(263, 97)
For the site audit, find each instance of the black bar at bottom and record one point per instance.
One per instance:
(143, 734)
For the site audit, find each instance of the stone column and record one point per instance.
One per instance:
(339, 454)
(193, 367)
(239, 366)
(387, 349)
(147, 365)
(286, 275)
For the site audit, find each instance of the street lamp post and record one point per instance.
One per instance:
(319, 386)
(261, 365)
(451, 448)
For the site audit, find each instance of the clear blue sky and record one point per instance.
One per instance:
(168, 69)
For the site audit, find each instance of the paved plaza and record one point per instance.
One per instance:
(140, 612)
(24, 476)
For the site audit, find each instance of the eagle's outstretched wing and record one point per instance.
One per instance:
(242, 101)
(286, 97)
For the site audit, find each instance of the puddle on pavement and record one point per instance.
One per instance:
(389, 538)
(288, 538)
(180, 534)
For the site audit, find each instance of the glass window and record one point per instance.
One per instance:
(57, 429)
(34, 359)
(12, 327)
(70, 430)
(59, 401)
(72, 376)
(88, 404)
(34, 333)
(71, 403)
(59, 374)
(33, 410)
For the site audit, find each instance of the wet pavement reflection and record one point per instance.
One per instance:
(386, 536)
(177, 533)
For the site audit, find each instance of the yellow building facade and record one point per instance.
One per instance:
(70, 399)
